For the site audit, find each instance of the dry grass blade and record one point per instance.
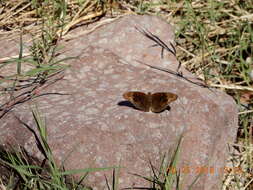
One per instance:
(245, 112)
(79, 20)
(90, 11)
(2, 60)
(231, 86)
(99, 24)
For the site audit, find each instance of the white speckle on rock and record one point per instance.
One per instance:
(157, 134)
(104, 85)
(82, 149)
(184, 100)
(93, 78)
(156, 81)
(115, 76)
(98, 105)
(121, 85)
(120, 127)
(154, 125)
(130, 139)
(166, 62)
(85, 69)
(121, 180)
(118, 156)
(89, 92)
(103, 126)
(109, 71)
(100, 161)
(91, 111)
(128, 58)
(206, 108)
(103, 41)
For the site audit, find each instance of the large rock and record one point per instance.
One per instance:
(101, 130)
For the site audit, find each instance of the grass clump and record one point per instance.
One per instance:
(28, 173)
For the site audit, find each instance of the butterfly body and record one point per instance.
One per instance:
(155, 102)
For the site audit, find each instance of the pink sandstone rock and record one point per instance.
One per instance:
(94, 127)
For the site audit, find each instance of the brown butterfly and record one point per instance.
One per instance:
(156, 102)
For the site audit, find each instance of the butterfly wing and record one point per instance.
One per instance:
(161, 100)
(139, 99)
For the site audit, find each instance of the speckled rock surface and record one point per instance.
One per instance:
(100, 130)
